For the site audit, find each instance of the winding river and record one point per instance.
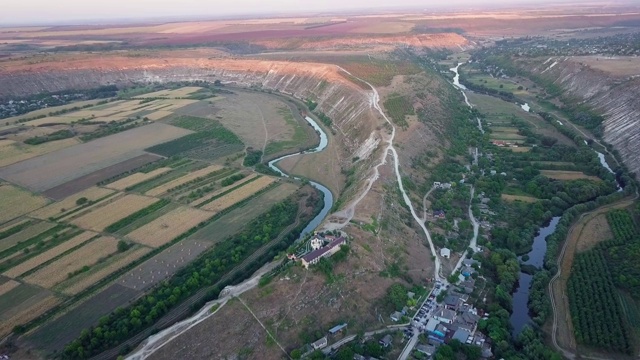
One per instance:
(328, 196)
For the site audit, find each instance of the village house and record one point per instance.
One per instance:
(386, 341)
(428, 350)
(338, 328)
(439, 214)
(314, 256)
(445, 253)
(320, 343)
(445, 315)
(396, 316)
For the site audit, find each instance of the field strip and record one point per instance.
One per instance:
(85, 210)
(157, 115)
(49, 254)
(8, 286)
(137, 178)
(87, 255)
(169, 226)
(238, 195)
(81, 284)
(68, 204)
(26, 234)
(182, 180)
(12, 225)
(567, 175)
(220, 191)
(28, 314)
(16, 202)
(53, 120)
(100, 218)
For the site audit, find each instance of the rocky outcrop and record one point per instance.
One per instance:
(345, 102)
(615, 97)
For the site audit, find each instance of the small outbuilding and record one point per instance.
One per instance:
(445, 253)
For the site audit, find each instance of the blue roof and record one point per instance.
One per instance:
(337, 328)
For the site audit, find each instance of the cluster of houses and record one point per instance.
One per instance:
(501, 143)
(321, 246)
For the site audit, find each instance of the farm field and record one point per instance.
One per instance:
(98, 219)
(8, 286)
(169, 226)
(50, 254)
(61, 269)
(74, 162)
(17, 202)
(163, 265)
(567, 175)
(84, 182)
(71, 203)
(233, 221)
(238, 195)
(58, 332)
(223, 189)
(32, 230)
(172, 93)
(162, 189)
(136, 179)
(26, 314)
(83, 281)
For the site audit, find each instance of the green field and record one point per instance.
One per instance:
(299, 134)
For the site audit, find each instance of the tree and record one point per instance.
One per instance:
(123, 246)
(82, 201)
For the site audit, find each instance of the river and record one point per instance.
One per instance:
(520, 316)
(155, 342)
(328, 196)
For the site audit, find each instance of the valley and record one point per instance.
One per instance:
(401, 185)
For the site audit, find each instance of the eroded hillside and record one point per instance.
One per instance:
(611, 86)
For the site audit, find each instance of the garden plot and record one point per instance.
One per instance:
(17, 202)
(100, 218)
(163, 265)
(74, 162)
(85, 256)
(50, 254)
(162, 189)
(169, 226)
(238, 195)
(137, 178)
(71, 203)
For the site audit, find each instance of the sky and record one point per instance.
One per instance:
(88, 11)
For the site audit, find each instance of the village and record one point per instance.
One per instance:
(443, 314)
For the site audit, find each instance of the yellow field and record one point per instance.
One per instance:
(17, 202)
(169, 226)
(522, 198)
(220, 191)
(177, 93)
(136, 178)
(100, 218)
(28, 314)
(158, 115)
(13, 152)
(239, 194)
(182, 180)
(53, 120)
(87, 255)
(8, 286)
(567, 175)
(85, 282)
(88, 209)
(49, 254)
(68, 204)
